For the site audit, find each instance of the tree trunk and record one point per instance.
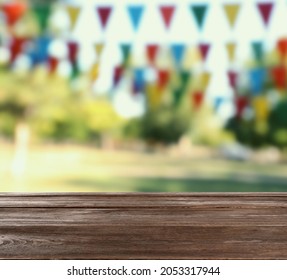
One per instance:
(22, 138)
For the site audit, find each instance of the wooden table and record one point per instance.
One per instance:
(143, 226)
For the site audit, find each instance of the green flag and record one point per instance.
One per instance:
(42, 13)
(199, 13)
(126, 49)
(258, 51)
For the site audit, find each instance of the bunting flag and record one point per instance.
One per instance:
(199, 12)
(163, 76)
(104, 15)
(197, 99)
(118, 74)
(16, 47)
(154, 95)
(13, 11)
(75, 71)
(126, 50)
(178, 51)
(231, 51)
(94, 72)
(177, 95)
(73, 13)
(231, 12)
(184, 79)
(257, 78)
(136, 13)
(167, 13)
(39, 53)
(204, 50)
(139, 80)
(151, 52)
(53, 63)
(42, 13)
(282, 47)
(232, 77)
(99, 47)
(265, 10)
(205, 78)
(261, 107)
(218, 101)
(73, 49)
(279, 75)
(258, 51)
(241, 102)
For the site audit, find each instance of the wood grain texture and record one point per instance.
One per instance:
(143, 226)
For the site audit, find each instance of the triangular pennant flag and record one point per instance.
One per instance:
(73, 12)
(199, 12)
(204, 50)
(163, 78)
(99, 47)
(53, 63)
(282, 46)
(231, 11)
(42, 13)
(241, 103)
(73, 49)
(154, 95)
(126, 50)
(177, 51)
(16, 47)
(139, 80)
(232, 76)
(75, 70)
(104, 15)
(40, 51)
(151, 52)
(197, 99)
(257, 79)
(177, 95)
(261, 107)
(231, 50)
(13, 11)
(118, 73)
(184, 77)
(265, 10)
(167, 13)
(258, 51)
(218, 101)
(279, 75)
(135, 13)
(94, 72)
(205, 80)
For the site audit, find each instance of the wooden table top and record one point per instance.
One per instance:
(143, 226)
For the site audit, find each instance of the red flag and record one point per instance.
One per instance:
(241, 103)
(163, 78)
(167, 14)
(118, 73)
(16, 47)
(53, 64)
(104, 15)
(73, 48)
(204, 50)
(282, 46)
(232, 76)
(279, 75)
(151, 52)
(197, 99)
(265, 10)
(13, 11)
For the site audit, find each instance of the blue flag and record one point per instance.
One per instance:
(135, 13)
(38, 51)
(177, 51)
(139, 80)
(257, 78)
(219, 100)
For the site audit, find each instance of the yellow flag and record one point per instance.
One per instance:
(204, 80)
(99, 49)
(261, 107)
(154, 95)
(231, 11)
(231, 50)
(94, 72)
(73, 13)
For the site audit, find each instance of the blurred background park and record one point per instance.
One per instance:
(157, 96)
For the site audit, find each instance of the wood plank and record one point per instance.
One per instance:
(143, 226)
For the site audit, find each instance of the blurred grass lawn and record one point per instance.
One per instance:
(81, 169)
